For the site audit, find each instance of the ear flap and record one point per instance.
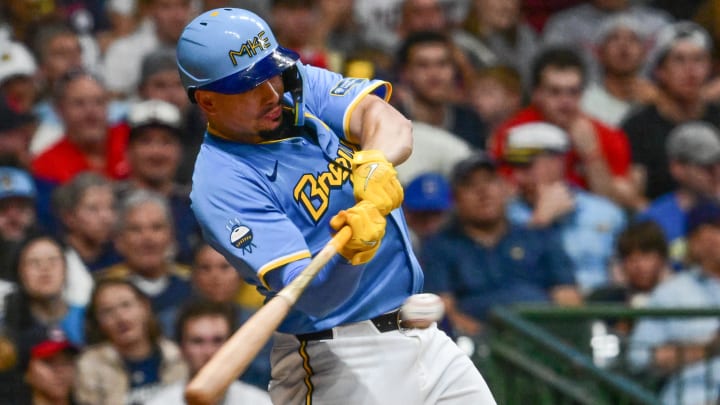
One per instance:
(293, 81)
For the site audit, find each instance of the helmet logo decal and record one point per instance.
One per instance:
(251, 47)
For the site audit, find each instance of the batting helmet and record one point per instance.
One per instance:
(231, 51)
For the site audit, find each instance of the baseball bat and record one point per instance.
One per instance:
(233, 358)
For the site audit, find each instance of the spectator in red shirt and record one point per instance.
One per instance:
(599, 159)
(89, 142)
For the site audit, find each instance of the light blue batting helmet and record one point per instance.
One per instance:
(231, 51)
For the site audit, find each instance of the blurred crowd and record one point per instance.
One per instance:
(565, 152)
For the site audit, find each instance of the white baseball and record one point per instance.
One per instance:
(421, 310)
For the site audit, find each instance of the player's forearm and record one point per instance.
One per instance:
(378, 126)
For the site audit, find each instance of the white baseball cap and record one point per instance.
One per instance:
(154, 113)
(528, 140)
(15, 60)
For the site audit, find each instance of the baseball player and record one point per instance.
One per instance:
(291, 153)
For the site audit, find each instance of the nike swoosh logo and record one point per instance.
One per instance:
(272, 176)
(370, 173)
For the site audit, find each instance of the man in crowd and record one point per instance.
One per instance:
(201, 329)
(599, 159)
(482, 260)
(680, 66)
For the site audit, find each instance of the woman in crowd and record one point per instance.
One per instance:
(37, 311)
(129, 360)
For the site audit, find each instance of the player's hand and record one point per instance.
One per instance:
(368, 229)
(375, 180)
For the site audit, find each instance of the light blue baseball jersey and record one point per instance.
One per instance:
(269, 205)
(588, 235)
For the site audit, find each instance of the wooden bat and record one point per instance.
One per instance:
(232, 359)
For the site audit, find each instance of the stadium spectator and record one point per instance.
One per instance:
(599, 160)
(129, 360)
(428, 75)
(586, 223)
(421, 15)
(576, 25)
(202, 328)
(51, 372)
(680, 65)
(154, 153)
(683, 350)
(18, 218)
(300, 35)
(37, 307)
(89, 143)
(621, 51)
(145, 241)
(496, 94)
(17, 73)
(123, 18)
(693, 150)
(87, 208)
(36, 310)
(122, 61)
(494, 33)
(426, 206)
(16, 129)
(642, 252)
(480, 260)
(57, 50)
(215, 280)
(159, 80)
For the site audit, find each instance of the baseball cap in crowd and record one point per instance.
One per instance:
(50, 347)
(705, 212)
(695, 142)
(621, 20)
(427, 192)
(526, 141)
(464, 168)
(671, 35)
(12, 116)
(15, 182)
(154, 113)
(15, 60)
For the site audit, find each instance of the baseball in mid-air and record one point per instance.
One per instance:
(421, 310)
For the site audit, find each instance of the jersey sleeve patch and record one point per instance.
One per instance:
(343, 86)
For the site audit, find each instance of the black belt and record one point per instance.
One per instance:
(384, 323)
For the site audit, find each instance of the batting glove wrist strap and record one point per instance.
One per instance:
(375, 180)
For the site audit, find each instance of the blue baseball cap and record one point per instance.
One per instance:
(16, 182)
(706, 212)
(428, 192)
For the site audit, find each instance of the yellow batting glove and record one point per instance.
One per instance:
(368, 229)
(375, 180)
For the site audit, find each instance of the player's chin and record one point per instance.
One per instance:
(272, 130)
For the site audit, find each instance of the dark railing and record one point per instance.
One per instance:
(542, 354)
